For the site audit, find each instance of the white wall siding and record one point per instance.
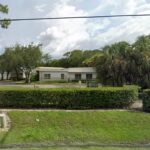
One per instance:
(54, 75)
(71, 76)
(94, 75)
(69, 73)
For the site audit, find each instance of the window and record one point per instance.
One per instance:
(47, 76)
(89, 77)
(62, 76)
(77, 76)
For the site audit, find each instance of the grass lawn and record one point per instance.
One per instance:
(1, 122)
(91, 148)
(57, 127)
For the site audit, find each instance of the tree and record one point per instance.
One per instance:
(46, 60)
(8, 61)
(20, 59)
(142, 48)
(17, 60)
(5, 23)
(111, 65)
(122, 63)
(91, 60)
(31, 55)
(2, 67)
(74, 58)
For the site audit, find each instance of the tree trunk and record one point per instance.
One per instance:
(17, 74)
(27, 80)
(8, 75)
(2, 78)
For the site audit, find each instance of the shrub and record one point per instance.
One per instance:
(146, 100)
(68, 98)
(34, 77)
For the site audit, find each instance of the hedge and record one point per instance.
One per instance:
(146, 100)
(86, 98)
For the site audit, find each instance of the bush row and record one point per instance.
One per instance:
(87, 98)
(146, 100)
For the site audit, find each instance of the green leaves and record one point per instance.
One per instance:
(4, 23)
(21, 58)
(123, 63)
(88, 98)
(4, 8)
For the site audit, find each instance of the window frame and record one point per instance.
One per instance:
(62, 76)
(78, 76)
(89, 76)
(47, 76)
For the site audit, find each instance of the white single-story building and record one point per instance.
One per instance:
(68, 74)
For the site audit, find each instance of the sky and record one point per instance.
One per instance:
(60, 36)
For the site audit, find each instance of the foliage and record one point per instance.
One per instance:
(34, 77)
(69, 98)
(75, 58)
(87, 148)
(122, 63)
(146, 100)
(21, 59)
(4, 9)
(60, 127)
(31, 56)
(2, 67)
(46, 60)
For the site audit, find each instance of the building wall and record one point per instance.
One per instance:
(54, 75)
(67, 76)
(71, 76)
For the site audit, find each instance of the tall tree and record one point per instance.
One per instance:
(111, 65)
(8, 61)
(31, 59)
(2, 67)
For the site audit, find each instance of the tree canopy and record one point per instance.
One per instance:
(75, 58)
(21, 59)
(122, 63)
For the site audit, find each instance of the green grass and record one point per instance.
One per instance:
(90, 148)
(107, 127)
(1, 122)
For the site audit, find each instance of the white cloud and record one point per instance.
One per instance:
(40, 8)
(129, 28)
(63, 35)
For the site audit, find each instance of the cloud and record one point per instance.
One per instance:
(63, 35)
(128, 29)
(40, 8)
